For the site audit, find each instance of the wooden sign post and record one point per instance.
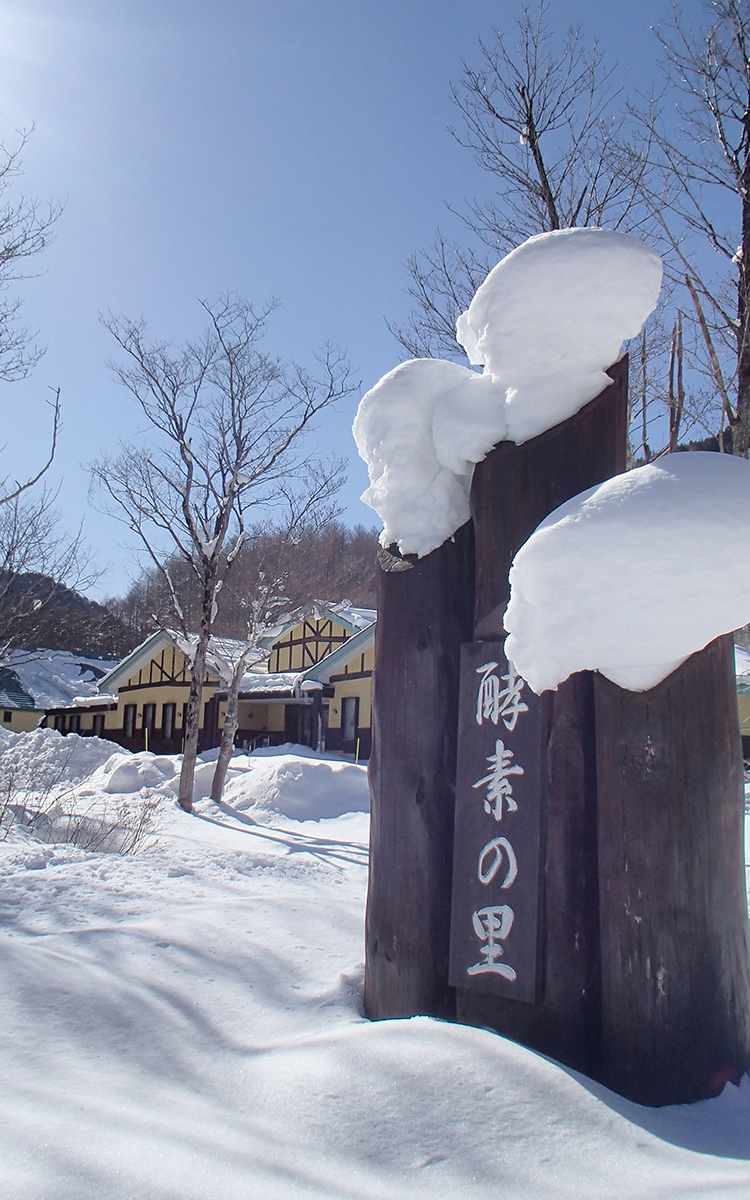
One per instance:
(425, 612)
(593, 896)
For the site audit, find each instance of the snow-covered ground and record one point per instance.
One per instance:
(187, 1021)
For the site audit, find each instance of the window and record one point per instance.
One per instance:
(74, 723)
(60, 722)
(128, 720)
(7, 716)
(98, 726)
(149, 717)
(167, 720)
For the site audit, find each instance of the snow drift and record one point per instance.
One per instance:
(295, 785)
(633, 576)
(544, 326)
(44, 758)
(187, 1022)
(291, 781)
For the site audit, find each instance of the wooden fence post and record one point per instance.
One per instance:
(675, 987)
(425, 612)
(515, 488)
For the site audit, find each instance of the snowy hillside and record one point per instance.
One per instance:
(186, 1022)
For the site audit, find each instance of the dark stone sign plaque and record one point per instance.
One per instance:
(496, 860)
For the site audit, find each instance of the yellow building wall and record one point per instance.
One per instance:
(351, 687)
(143, 688)
(743, 705)
(21, 721)
(158, 696)
(87, 720)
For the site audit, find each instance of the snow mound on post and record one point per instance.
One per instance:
(420, 430)
(545, 324)
(633, 576)
(552, 316)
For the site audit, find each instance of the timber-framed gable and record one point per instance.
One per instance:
(312, 634)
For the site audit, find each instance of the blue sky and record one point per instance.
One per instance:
(284, 148)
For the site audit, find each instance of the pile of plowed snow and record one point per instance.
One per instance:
(294, 784)
(44, 758)
(290, 781)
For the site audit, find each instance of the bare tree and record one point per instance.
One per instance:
(324, 560)
(36, 557)
(25, 229)
(543, 118)
(264, 607)
(699, 191)
(11, 490)
(228, 421)
(38, 562)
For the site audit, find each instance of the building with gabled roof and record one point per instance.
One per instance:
(346, 674)
(297, 699)
(142, 699)
(31, 680)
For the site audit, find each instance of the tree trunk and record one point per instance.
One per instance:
(675, 986)
(231, 724)
(424, 614)
(192, 726)
(514, 489)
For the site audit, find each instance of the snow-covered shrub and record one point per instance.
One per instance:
(114, 828)
(41, 778)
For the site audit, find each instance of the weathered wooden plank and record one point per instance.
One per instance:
(496, 853)
(514, 489)
(425, 611)
(675, 987)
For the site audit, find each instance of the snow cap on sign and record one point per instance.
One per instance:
(544, 326)
(552, 316)
(633, 576)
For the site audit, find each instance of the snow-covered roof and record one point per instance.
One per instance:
(42, 679)
(276, 683)
(544, 326)
(343, 613)
(222, 655)
(101, 700)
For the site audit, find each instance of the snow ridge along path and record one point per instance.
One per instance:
(186, 1023)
